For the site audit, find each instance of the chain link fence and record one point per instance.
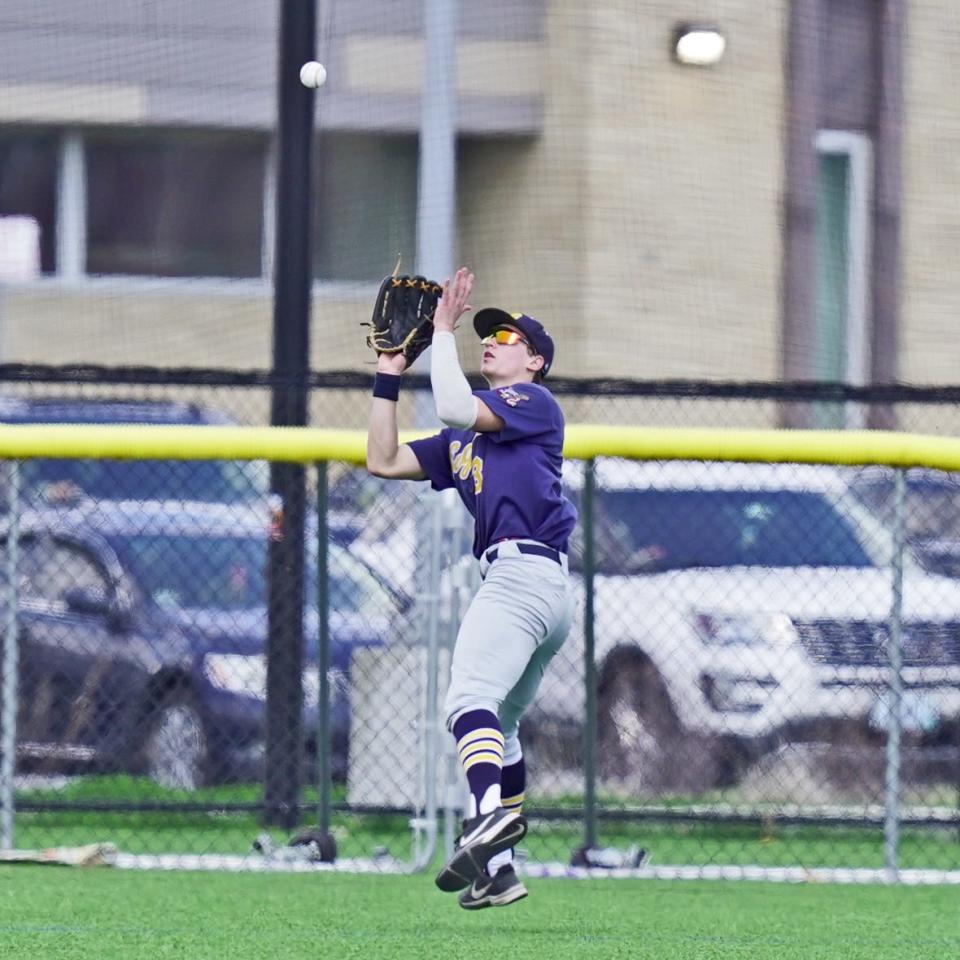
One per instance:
(764, 671)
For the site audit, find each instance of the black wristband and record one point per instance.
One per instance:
(386, 386)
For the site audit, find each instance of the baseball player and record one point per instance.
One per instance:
(502, 451)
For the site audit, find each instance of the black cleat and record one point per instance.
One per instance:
(483, 837)
(497, 891)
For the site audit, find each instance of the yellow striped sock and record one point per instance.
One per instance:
(481, 746)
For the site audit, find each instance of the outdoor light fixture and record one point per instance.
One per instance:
(698, 45)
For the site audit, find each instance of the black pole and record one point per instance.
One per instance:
(293, 277)
(589, 661)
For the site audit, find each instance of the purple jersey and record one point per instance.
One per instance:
(509, 480)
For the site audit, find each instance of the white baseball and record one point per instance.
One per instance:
(313, 74)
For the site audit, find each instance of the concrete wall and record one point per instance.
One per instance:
(685, 169)
(172, 325)
(931, 195)
(215, 63)
(523, 203)
(643, 225)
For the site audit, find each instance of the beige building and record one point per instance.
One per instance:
(786, 212)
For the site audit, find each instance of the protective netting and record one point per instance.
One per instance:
(746, 619)
(783, 214)
(782, 211)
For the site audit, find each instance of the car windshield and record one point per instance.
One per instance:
(657, 530)
(229, 573)
(210, 481)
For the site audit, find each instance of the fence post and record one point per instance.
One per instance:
(427, 823)
(891, 827)
(292, 288)
(11, 666)
(324, 745)
(454, 801)
(589, 663)
(433, 645)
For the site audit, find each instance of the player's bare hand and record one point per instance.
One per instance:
(394, 363)
(453, 303)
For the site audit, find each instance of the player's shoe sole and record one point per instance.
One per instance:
(483, 837)
(499, 891)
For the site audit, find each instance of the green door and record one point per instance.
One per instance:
(833, 216)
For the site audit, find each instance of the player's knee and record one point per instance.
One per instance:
(455, 707)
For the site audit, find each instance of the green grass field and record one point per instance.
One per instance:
(102, 914)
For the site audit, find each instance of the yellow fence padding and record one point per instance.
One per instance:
(583, 441)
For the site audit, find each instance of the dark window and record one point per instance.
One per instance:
(48, 570)
(28, 185)
(229, 573)
(654, 530)
(183, 572)
(365, 191)
(204, 480)
(175, 204)
(932, 503)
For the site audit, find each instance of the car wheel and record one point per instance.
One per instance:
(643, 747)
(176, 748)
(637, 726)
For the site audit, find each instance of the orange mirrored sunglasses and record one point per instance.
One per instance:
(504, 337)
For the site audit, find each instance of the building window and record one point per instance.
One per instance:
(365, 191)
(841, 349)
(28, 185)
(175, 204)
(164, 203)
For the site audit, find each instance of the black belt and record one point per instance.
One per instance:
(536, 549)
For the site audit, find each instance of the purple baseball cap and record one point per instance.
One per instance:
(488, 319)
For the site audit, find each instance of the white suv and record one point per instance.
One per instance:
(740, 603)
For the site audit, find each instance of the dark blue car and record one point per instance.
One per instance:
(222, 481)
(142, 640)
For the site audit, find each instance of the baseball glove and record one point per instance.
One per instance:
(402, 319)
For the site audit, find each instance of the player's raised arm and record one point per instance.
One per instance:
(456, 405)
(386, 457)
(400, 330)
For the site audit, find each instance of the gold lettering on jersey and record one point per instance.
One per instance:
(477, 475)
(463, 463)
(460, 460)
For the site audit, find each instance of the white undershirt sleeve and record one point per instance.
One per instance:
(456, 404)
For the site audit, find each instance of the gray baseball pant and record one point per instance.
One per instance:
(516, 622)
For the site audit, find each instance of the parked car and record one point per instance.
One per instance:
(383, 521)
(737, 604)
(142, 639)
(51, 479)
